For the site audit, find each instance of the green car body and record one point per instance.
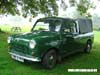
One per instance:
(66, 39)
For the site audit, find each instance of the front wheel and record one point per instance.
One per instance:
(88, 47)
(49, 60)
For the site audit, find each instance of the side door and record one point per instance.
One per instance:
(68, 35)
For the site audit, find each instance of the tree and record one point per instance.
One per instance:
(83, 6)
(47, 7)
(28, 7)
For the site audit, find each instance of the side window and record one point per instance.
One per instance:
(57, 25)
(70, 27)
(73, 27)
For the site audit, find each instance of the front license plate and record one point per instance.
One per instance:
(17, 58)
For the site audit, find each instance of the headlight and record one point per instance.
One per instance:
(32, 44)
(9, 39)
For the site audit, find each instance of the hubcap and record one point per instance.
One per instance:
(51, 57)
(88, 47)
(51, 60)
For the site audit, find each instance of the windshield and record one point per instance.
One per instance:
(48, 25)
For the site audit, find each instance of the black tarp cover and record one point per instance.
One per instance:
(85, 25)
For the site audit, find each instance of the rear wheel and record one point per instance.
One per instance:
(88, 47)
(50, 58)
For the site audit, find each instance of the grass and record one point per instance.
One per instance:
(24, 28)
(81, 60)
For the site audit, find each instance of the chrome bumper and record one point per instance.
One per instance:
(25, 58)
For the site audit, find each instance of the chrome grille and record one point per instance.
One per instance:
(20, 48)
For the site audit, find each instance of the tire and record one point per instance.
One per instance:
(88, 47)
(59, 59)
(50, 59)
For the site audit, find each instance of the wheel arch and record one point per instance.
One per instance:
(89, 40)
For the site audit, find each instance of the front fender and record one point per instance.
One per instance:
(43, 45)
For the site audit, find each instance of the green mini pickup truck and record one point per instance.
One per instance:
(51, 39)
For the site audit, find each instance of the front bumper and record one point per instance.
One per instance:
(24, 57)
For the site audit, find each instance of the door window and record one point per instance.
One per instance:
(70, 27)
(73, 28)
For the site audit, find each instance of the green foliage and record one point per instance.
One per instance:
(28, 7)
(83, 7)
(72, 2)
(1, 31)
(97, 29)
(48, 7)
